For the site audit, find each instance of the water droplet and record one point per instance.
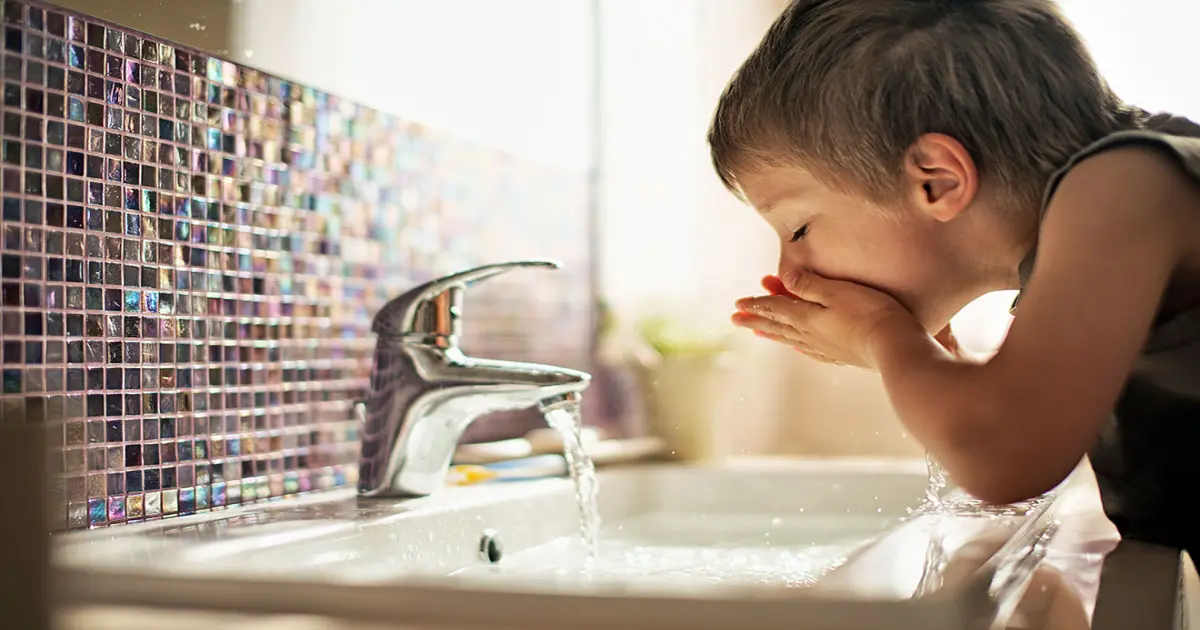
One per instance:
(248, 53)
(196, 26)
(776, 521)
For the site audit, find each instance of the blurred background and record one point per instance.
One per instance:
(621, 91)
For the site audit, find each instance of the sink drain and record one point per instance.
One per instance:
(489, 547)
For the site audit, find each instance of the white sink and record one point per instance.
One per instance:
(830, 542)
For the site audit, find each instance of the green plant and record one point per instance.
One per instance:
(670, 336)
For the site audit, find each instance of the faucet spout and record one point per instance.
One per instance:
(423, 399)
(425, 392)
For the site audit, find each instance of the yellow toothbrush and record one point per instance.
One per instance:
(469, 474)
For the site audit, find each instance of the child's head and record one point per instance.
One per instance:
(879, 123)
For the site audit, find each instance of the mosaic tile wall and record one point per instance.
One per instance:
(193, 250)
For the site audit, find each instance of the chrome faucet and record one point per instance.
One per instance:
(425, 392)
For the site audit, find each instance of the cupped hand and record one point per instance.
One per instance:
(832, 321)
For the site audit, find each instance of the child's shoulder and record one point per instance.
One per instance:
(1134, 184)
(1160, 155)
(1125, 196)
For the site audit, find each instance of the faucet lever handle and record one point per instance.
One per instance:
(435, 307)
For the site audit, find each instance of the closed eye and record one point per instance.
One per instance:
(800, 233)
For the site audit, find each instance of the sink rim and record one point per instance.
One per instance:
(84, 584)
(429, 602)
(456, 496)
(87, 548)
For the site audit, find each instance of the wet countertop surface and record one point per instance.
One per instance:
(1089, 579)
(1093, 579)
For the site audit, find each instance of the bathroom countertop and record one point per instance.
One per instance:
(1090, 578)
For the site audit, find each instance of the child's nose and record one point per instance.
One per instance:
(790, 262)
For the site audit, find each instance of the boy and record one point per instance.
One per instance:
(913, 155)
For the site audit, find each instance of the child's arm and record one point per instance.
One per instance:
(1015, 426)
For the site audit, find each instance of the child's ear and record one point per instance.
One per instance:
(940, 176)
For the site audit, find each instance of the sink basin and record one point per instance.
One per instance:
(832, 542)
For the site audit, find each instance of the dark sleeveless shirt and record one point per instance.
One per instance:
(1147, 459)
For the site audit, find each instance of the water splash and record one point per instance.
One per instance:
(936, 559)
(938, 509)
(566, 419)
(962, 504)
(937, 483)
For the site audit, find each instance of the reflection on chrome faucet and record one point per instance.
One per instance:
(424, 391)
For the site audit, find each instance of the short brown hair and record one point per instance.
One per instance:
(844, 88)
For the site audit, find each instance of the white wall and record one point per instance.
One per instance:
(672, 239)
(671, 234)
(512, 74)
(648, 128)
(1146, 49)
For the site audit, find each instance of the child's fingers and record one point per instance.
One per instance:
(775, 286)
(762, 324)
(774, 331)
(779, 308)
(795, 345)
(798, 346)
